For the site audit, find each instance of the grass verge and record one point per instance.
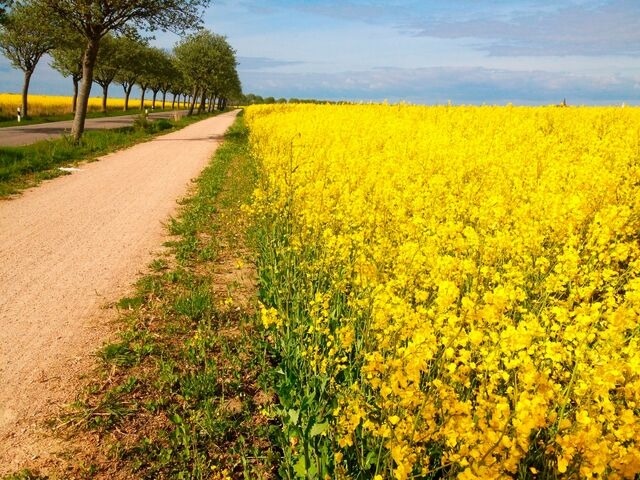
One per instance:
(182, 393)
(26, 166)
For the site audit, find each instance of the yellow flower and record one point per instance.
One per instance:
(463, 277)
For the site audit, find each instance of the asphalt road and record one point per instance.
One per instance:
(24, 135)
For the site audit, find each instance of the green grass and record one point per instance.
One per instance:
(26, 166)
(183, 392)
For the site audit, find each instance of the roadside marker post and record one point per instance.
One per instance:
(19, 116)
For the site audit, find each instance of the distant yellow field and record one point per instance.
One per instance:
(42, 105)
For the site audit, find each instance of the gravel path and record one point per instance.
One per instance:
(69, 249)
(26, 134)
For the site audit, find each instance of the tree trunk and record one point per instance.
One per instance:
(173, 103)
(105, 90)
(88, 62)
(144, 89)
(25, 93)
(192, 104)
(203, 101)
(74, 103)
(164, 98)
(153, 102)
(127, 94)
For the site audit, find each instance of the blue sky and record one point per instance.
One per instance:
(463, 51)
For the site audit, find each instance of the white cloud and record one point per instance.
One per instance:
(439, 84)
(587, 29)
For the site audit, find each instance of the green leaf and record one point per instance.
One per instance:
(313, 469)
(300, 468)
(318, 429)
(293, 416)
(371, 459)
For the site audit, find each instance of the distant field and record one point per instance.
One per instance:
(50, 105)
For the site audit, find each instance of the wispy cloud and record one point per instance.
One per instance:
(591, 29)
(503, 28)
(263, 63)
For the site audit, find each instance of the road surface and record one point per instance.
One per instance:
(26, 134)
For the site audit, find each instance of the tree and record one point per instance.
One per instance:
(153, 68)
(206, 60)
(67, 59)
(170, 76)
(131, 56)
(157, 71)
(25, 37)
(107, 65)
(191, 58)
(147, 67)
(178, 85)
(95, 18)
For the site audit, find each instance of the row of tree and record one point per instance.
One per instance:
(127, 61)
(253, 99)
(100, 41)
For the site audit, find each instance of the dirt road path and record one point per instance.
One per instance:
(26, 134)
(69, 248)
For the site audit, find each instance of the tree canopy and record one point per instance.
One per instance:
(67, 59)
(208, 64)
(4, 6)
(25, 36)
(101, 41)
(93, 19)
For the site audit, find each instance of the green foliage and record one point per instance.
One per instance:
(104, 17)
(94, 20)
(130, 55)
(67, 56)
(4, 5)
(195, 304)
(208, 64)
(26, 36)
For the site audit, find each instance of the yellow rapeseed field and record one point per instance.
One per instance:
(452, 292)
(43, 105)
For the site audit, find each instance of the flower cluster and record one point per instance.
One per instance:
(461, 285)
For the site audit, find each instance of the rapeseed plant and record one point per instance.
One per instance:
(452, 292)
